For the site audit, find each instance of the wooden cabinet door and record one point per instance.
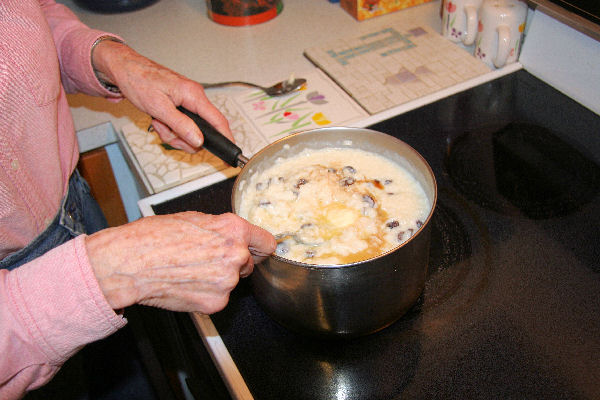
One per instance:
(96, 169)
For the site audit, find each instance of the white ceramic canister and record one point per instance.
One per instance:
(459, 20)
(500, 31)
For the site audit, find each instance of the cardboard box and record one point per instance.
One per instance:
(363, 9)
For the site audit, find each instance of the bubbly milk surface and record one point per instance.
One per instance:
(335, 206)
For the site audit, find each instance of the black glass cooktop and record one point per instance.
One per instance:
(588, 9)
(511, 306)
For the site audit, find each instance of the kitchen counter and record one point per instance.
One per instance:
(179, 35)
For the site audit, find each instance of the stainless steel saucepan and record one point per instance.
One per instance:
(345, 300)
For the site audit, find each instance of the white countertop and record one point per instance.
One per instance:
(179, 35)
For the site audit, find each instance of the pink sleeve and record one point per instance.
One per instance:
(74, 41)
(49, 309)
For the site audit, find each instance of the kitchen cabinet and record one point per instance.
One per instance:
(104, 166)
(96, 169)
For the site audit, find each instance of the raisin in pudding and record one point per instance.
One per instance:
(335, 206)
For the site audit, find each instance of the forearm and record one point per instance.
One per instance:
(49, 308)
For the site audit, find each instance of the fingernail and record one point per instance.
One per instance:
(196, 140)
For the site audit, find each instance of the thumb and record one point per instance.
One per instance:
(261, 243)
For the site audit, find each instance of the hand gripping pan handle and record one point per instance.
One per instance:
(217, 143)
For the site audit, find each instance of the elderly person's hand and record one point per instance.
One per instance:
(157, 91)
(182, 262)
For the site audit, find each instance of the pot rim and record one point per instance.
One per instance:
(257, 156)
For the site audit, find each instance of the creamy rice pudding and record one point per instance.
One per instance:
(336, 205)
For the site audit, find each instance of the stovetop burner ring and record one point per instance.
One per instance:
(522, 169)
(459, 262)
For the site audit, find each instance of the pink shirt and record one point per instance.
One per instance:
(52, 306)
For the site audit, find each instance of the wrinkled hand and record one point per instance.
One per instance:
(157, 91)
(182, 262)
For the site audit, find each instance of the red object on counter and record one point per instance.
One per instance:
(238, 13)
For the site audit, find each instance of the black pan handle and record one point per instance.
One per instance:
(217, 143)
